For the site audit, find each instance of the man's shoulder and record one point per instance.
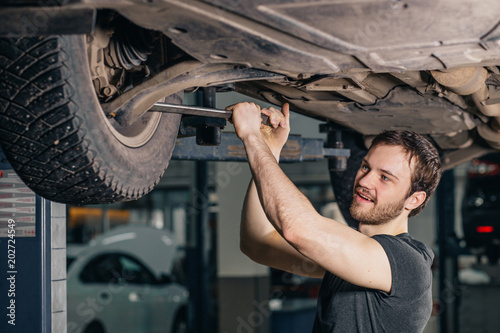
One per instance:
(411, 262)
(405, 242)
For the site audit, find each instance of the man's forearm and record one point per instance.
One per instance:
(255, 226)
(283, 203)
(255, 229)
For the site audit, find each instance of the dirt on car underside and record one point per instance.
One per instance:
(366, 65)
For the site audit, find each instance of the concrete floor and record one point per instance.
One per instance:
(480, 303)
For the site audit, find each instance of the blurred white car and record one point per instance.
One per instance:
(122, 282)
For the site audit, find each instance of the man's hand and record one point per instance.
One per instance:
(247, 122)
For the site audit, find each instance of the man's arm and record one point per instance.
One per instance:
(337, 248)
(260, 241)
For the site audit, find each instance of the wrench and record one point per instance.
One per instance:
(199, 111)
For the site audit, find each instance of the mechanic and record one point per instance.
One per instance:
(375, 279)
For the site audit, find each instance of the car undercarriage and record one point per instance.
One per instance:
(427, 66)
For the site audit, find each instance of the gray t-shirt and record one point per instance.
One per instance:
(344, 307)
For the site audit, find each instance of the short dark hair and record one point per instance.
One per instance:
(427, 172)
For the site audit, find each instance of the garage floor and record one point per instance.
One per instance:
(479, 310)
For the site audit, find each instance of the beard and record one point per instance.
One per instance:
(378, 214)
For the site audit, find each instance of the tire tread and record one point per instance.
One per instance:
(47, 148)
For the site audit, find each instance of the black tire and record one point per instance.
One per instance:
(94, 327)
(493, 254)
(180, 323)
(55, 135)
(343, 181)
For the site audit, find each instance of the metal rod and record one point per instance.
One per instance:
(199, 111)
(191, 110)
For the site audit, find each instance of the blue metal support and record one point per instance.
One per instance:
(200, 281)
(449, 293)
(297, 149)
(25, 256)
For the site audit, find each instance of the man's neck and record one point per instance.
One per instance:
(394, 227)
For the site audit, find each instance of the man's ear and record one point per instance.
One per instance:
(415, 200)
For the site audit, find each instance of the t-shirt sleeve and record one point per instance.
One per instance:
(410, 262)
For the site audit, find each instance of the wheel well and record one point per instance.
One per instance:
(95, 327)
(182, 312)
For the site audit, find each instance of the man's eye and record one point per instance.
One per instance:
(384, 178)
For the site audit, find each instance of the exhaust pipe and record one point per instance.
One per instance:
(472, 81)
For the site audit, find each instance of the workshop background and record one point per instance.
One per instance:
(239, 295)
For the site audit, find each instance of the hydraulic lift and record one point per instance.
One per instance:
(448, 289)
(33, 229)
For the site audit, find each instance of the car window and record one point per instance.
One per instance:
(69, 261)
(134, 272)
(103, 268)
(116, 267)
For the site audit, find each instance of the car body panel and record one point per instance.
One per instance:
(132, 237)
(380, 35)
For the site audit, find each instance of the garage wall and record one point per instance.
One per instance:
(243, 284)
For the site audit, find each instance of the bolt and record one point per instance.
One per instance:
(107, 91)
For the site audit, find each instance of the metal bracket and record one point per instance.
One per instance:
(334, 140)
(208, 133)
(189, 124)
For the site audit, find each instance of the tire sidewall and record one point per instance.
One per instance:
(138, 165)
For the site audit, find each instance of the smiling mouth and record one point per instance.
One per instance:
(365, 197)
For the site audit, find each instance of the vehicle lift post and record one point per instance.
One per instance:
(448, 288)
(32, 258)
(201, 318)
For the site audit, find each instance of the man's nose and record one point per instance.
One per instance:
(367, 180)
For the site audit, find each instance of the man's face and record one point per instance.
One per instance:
(381, 185)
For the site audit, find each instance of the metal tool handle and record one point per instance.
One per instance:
(200, 111)
(265, 120)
